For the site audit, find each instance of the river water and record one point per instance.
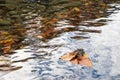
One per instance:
(43, 63)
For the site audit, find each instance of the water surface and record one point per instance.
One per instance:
(40, 60)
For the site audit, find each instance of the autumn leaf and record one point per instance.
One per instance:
(7, 49)
(74, 61)
(76, 9)
(68, 56)
(78, 58)
(84, 60)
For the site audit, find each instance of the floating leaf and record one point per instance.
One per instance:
(69, 56)
(74, 61)
(84, 60)
(78, 57)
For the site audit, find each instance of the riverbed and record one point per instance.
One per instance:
(40, 60)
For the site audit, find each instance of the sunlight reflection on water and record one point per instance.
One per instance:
(103, 50)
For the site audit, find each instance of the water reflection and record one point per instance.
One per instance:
(40, 60)
(98, 46)
(14, 13)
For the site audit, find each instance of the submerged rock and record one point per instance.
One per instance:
(4, 22)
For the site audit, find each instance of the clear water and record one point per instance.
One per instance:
(43, 63)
